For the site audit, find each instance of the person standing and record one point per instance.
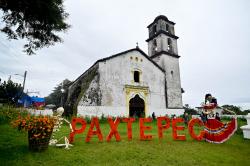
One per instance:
(186, 118)
(153, 115)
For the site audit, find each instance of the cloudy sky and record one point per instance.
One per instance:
(214, 45)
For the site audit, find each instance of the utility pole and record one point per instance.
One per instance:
(62, 90)
(24, 79)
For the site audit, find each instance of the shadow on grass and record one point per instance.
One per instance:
(9, 152)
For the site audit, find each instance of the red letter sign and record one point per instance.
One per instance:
(94, 123)
(143, 128)
(129, 122)
(175, 128)
(77, 131)
(113, 129)
(191, 129)
(162, 127)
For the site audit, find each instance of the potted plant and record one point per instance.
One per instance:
(39, 130)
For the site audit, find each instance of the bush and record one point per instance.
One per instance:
(240, 122)
(9, 113)
(103, 119)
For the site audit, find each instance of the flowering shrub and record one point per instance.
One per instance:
(8, 113)
(39, 127)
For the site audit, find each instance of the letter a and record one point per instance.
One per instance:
(94, 123)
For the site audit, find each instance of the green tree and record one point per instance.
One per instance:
(246, 111)
(233, 108)
(190, 110)
(59, 94)
(10, 92)
(37, 21)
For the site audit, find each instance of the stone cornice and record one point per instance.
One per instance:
(162, 32)
(165, 52)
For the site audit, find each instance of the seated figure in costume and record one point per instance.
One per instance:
(216, 131)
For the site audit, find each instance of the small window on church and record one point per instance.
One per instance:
(167, 27)
(169, 45)
(136, 58)
(154, 29)
(136, 76)
(154, 46)
(154, 42)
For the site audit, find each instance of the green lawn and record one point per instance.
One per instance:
(14, 150)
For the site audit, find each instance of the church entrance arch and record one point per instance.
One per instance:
(136, 107)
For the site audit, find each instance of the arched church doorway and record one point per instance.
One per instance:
(136, 107)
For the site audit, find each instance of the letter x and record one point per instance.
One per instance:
(113, 129)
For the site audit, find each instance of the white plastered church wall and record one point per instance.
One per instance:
(115, 74)
(173, 81)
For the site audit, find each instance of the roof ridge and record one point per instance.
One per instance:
(118, 54)
(133, 49)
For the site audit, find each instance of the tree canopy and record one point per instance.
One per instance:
(58, 97)
(190, 110)
(235, 109)
(10, 92)
(37, 21)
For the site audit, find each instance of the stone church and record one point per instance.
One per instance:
(132, 83)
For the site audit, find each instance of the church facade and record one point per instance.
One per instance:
(132, 83)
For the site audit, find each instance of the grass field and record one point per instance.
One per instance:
(14, 150)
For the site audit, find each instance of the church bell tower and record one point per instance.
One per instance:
(162, 48)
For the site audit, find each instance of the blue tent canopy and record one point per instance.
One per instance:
(37, 99)
(28, 101)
